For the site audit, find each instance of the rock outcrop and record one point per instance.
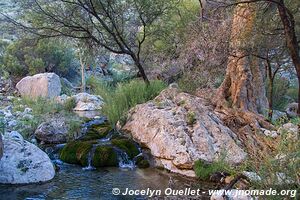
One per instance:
(52, 132)
(23, 162)
(291, 110)
(179, 129)
(87, 102)
(45, 85)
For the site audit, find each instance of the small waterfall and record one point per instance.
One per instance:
(90, 159)
(107, 138)
(124, 161)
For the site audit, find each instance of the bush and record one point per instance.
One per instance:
(199, 78)
(126, 95)
(70, 104)
(204, 170)
(27, 57)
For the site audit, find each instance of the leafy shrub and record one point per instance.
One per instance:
(191, 118)
(70, 104)
(280, 170)
(27, 57)
(191, 80)
(126, 95)
(204, 170)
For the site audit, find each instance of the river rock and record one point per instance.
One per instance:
(46, 85)
(291, 110)
(53, 132)
(179, 129)
(23, 162)
(87, 102)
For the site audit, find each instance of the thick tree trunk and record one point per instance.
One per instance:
(291, 40)
(243, 87)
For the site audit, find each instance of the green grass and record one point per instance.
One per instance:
(118, 100)
(204, 170)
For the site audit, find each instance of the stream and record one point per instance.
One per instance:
(77, 182)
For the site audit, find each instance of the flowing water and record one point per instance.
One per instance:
(75, 182)
(71, 182)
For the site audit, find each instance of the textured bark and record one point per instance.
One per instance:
(1, 146)
(243, 87)
(242, 97)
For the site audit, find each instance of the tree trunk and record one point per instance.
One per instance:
(291, 40)
(140, 68)
(83, 85)
(243, 87)
(271, 85)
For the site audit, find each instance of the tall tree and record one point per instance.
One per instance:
(118, 26)
(243, 87)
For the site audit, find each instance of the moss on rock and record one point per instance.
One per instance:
(126, 145)
(143, 164)
(97, 132)
(76, 152)
(105, 156)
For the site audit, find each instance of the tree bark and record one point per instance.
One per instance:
(137, 62)
(291, 40)
(243, 87)
(82, 65)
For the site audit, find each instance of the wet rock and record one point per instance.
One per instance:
(45, 85)
(23, 162)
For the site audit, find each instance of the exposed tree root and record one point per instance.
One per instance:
(247, 126)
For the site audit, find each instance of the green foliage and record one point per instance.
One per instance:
(70, 104)
(191, 118)
(105, 156)
(284, 162)
(283, 93)
(2, 125)
(27, 57)
(204, 170)
(126, 95)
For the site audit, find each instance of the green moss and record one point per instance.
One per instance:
(76, 152)
(143, 164)
(204, 169)
(97, 132)
(191, 118)
(105, 156)
(126, 145)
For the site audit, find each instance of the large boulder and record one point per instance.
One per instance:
(87, 102)
(179, 129)
(291, 110)
(45, 85)
(52, 132)
(23, 162)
